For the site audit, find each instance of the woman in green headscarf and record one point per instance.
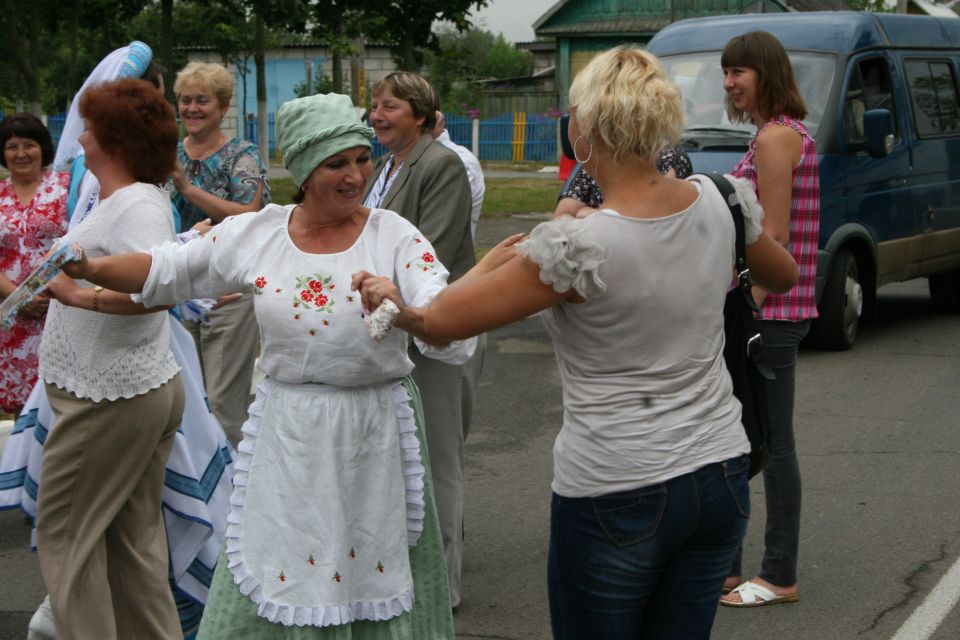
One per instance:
(333, 530)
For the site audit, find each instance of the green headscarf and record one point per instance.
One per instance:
(311, 129)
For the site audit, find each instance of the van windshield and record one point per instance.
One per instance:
(700, 79)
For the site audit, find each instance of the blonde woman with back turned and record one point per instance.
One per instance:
(650, 495)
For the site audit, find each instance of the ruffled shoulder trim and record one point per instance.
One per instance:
(743, 194)
(568, 256)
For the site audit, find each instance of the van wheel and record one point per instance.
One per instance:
(945, 291)
(841, 304)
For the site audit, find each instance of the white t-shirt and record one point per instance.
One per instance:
(101, 356)
(311, 323)
(474, 175)
(646, 393)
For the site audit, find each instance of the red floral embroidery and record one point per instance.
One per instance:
(312, 561)
(261, 282)
(353, 553)
(427, 257)
(380, 566)
(282, 577)
(309, 293)
(337, 577)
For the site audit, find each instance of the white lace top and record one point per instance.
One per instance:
(311, 325)
(646, 394)
(106, 357)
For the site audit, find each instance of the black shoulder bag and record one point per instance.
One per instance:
(743, 350)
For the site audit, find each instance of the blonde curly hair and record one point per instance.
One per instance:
(624, 98)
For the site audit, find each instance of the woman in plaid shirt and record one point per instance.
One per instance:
(781, 162)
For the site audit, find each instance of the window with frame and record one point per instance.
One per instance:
(869, 87)
(933, 93)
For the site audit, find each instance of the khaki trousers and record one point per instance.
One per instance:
(448, 393)
(100, 533)
(227, 345)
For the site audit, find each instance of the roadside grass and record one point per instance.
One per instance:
(282, 190)
(504, 196)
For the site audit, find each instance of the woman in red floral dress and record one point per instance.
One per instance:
(33, 213)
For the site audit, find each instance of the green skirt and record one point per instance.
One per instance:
(230, 615)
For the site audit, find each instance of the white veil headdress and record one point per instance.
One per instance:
(130, 61)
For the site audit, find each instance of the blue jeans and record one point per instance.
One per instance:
(646, 563)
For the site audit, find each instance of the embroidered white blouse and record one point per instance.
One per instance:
(311, 324)
(328, 489)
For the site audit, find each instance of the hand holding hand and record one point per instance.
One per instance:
(502, 253)
(374, 289)
(203, 227)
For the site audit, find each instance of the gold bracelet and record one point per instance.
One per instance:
(96, 297)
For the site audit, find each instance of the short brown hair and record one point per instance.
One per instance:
(777, 91)
(130, 119)
(26, 125)
(416, 90)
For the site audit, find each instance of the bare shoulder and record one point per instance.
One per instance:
(776, 140)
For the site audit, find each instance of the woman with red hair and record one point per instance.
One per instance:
(115, 390)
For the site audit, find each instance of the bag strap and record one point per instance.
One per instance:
(740, 246)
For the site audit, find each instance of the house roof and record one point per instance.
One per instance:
(552, 23)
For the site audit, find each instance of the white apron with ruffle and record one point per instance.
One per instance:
(328, 499)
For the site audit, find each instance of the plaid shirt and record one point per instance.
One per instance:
(800, 302)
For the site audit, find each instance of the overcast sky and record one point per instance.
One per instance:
(512, 18)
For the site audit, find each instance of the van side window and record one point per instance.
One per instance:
(869, 88)
(933, 92)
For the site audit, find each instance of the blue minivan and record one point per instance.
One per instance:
(881, 91)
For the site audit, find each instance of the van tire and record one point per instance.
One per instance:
(945, 291)
(841, 304)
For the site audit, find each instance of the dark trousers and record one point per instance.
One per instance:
(781, 477)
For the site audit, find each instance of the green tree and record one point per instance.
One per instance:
(461, 58)
(407, 25)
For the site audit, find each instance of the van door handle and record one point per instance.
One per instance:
(893, 183)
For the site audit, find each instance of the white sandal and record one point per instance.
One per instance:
(755, 595)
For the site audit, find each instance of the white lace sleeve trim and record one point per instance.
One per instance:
(568, 256)
(752, 211)
(323, 616)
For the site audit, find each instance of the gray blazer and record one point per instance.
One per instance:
(432, 191)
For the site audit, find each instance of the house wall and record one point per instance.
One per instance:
(285, 69)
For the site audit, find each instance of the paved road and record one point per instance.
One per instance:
(880, 453)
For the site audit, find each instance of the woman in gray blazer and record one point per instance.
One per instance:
(426, 183)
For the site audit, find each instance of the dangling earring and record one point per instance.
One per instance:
(589, 155)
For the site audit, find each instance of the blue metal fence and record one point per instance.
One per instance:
(519, 137)
(530, 137)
